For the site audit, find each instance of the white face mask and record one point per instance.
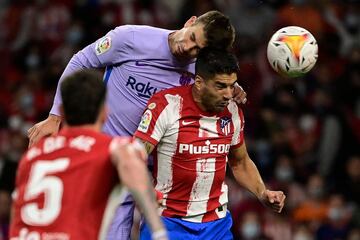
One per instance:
(316, 192)
(335, 214)
(302, 236)
(284, 174)
(250, 230)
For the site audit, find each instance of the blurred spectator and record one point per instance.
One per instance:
(248, 205)
(43, 21)
(285, 179)
(253, 20)
(354, 234)
(302, 232)
(293, 14)
(250, 227)
(314, 210)
(195, 8)
(5, 204)
(347, 26)
(349, 186)
(277, 227)
(337, 226)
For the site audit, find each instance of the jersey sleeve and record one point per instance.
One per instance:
(154, 121)
(238, 120)
(113, 48)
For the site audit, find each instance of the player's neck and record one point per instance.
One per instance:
(94, 127)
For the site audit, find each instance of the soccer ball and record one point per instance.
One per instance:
(292, 51)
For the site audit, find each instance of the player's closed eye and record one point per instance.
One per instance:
(193, 37)
(220, 86)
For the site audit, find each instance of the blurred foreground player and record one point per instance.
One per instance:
(64, 181)
(197, 130)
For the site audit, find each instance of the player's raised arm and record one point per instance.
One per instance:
(248, 176)
(130, 162)
(106, 51)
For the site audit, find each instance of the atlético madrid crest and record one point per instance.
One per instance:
(224, 125)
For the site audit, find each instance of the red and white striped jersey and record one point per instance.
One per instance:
(191, 154)
(63, 184)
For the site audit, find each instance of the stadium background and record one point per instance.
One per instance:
(302, 133)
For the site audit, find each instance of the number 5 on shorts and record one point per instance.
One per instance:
(51, 186)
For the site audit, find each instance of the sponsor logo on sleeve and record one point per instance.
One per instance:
(103, 45)
(151, 106)
(145, 121)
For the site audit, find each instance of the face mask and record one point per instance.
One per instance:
(352, 20)
(26, 101)
(250, 230)
(307, 123)
(302, 236)
(316, 192)
(335, 214)
(75, 35)
(284, 174)
(32, 61)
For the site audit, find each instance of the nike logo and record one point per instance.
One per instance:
(187, 123)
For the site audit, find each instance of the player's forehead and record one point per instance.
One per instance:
(224, 78)
(197, 33)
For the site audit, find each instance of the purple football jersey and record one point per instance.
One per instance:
(138, 64)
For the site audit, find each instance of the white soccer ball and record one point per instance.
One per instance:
(292, 51)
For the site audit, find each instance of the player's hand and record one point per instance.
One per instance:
(239, 94)
(49, 126)
(273, 199)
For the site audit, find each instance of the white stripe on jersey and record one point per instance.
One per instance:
(171, 113)
(205, 172)
(208, 127)
(233, 109)
(223, 200)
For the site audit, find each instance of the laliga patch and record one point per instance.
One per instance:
(103, 45)
(145, 121)
(152, 106)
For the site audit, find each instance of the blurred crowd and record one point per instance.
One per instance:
(303, 133)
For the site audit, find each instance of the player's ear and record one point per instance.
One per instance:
(190, 21)
(198, 82)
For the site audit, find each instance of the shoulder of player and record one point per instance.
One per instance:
(141, 31)
(165, 99)
(167, 95)
(79, 135)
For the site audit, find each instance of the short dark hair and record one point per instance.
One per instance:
(212, 61)
(219, 32)
(83, 94)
